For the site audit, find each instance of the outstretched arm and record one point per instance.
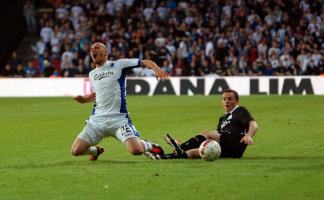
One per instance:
(159, 74)
(247, 139)
(86, 98)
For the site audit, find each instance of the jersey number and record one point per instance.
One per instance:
(125, 130)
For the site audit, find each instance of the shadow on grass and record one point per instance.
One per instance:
(78, 163)
(284, 158)
(70, 163)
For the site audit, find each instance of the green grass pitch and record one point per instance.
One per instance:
(286, 161)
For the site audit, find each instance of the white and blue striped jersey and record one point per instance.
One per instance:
(108, 83)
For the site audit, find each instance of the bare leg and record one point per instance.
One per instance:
(193, 153)
(135, 146)
(80, 147)
(212, 134)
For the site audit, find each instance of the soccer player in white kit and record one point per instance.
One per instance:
(110, 116)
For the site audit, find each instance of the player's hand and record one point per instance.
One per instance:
(247, 139)
(161, 75)
(79, 99)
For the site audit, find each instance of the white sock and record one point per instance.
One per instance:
(147, 145)
(91, 151)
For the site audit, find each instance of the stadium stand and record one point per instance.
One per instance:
(185, 38)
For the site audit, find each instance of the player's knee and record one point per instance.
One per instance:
(203, 132)
(212, 135)
(136, 151)
(75, 151)
(134, 146)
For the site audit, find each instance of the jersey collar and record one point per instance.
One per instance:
(104, 65)
(230, 112)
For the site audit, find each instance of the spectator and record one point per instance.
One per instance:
(316, 56)
(48, 69)
(194, 66)
(67, 53)
(219, 69)
(61, 12)
(205, 68)
(274, 49)
(182, 52)
(67, 67)
(171, 48)
(243, 67)
(14, 61)
(46, 32)
(8, 71)
(262, 47)
(223, 30)
(162, 54)
(254, 69)
(311, 68)
(30, 12)
(167, 66)
(306, 62)
(274, 60)
(82, 69)
(233, 67)
(321, 65)
(20, 73)
(179, 68)
(286, 62)
(301, 59)
(147, 72)
(268, 70)
(30, 70)
(56, 41)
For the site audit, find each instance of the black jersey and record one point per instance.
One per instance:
(235, 122)
(232, 127)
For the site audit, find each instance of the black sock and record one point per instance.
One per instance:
(175, 156)
(193, 143)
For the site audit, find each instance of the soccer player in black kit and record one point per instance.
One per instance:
(234, 132)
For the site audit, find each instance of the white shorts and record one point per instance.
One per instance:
(93, 133)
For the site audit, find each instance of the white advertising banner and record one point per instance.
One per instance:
(270, 85)
(42, 87)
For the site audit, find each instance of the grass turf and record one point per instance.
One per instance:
(286, 161)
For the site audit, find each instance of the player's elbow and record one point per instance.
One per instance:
(254, 125)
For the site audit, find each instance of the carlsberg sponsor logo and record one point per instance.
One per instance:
(103, 75)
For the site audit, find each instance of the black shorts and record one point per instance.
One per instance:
(231, 146)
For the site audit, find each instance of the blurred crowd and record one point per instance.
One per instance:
(185, 38)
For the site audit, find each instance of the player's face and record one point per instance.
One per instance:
(98, 53)
(229, 101)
